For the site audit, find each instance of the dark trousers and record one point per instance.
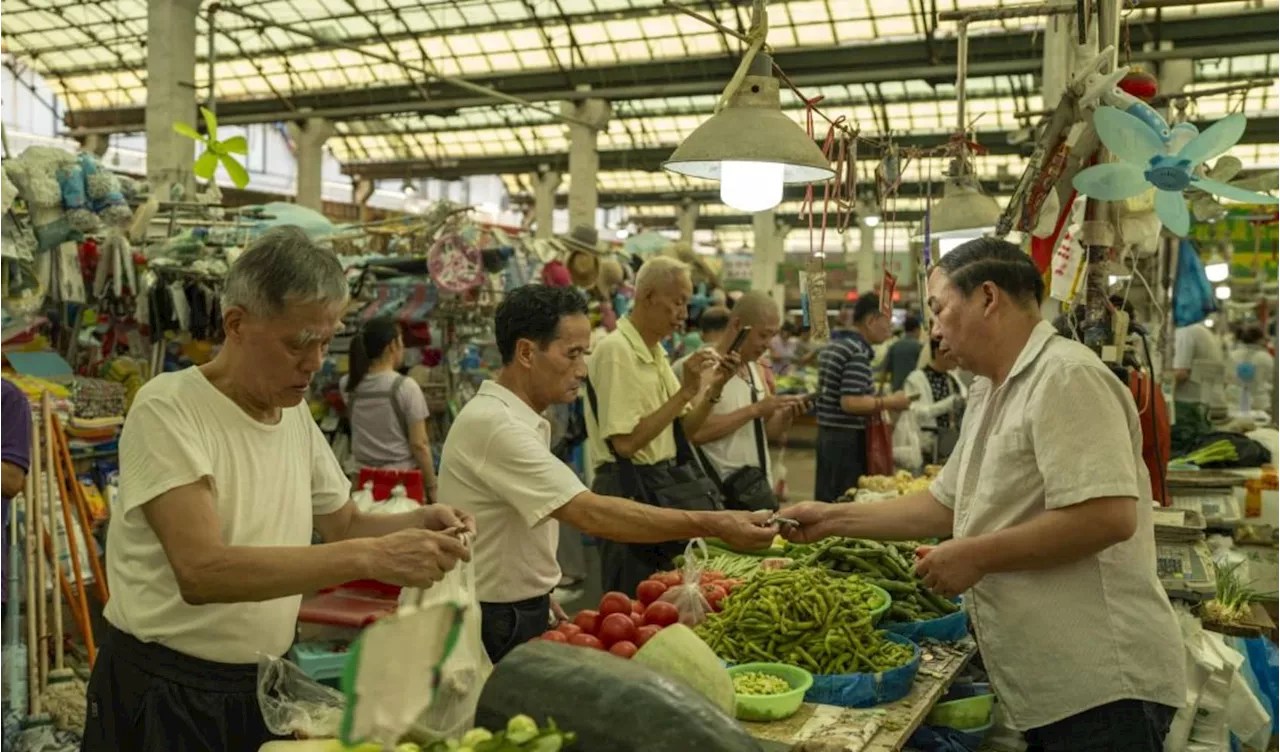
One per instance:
(842, 460)
(1121, 726)
(623, 566)
(144, 697)
(504, 626)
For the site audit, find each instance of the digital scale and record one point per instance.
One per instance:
(1182, 558)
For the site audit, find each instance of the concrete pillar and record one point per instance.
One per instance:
(171, 94)
(545, 184)
(361, 192)
(687, 220)
(308, 151)
(767, 250)
(866, 278)
(95, 143)
(1059, 56)
(1173, 78)
(584, 159)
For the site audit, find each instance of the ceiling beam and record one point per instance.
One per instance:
(712, 195)
(1259, 130)
(714, 221)
(989, 54)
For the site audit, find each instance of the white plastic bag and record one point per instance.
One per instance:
(907, 451)
(687, 597)
(294, 704)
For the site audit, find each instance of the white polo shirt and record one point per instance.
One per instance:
(268, 482)
(1062, 430)
(497, 464)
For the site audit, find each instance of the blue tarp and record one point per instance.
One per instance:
(949, 628)
(866, 690)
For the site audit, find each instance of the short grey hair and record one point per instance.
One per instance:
(755, 307)
(659, 272)
(283, 266)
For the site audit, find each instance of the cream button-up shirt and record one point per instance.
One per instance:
(1061, 430)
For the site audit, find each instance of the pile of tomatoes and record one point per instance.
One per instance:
(622, 625)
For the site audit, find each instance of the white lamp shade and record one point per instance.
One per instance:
(752, 129)
(1222, 292)
(751, 186)
(963, 212)
(1217, 270)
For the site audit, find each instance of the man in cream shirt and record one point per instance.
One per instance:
(1049, 503)
(497, 464)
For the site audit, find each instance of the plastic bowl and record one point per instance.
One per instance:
(878, 613)
(767, 708)
(969, 710)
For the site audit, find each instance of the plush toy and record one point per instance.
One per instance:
(35, 173)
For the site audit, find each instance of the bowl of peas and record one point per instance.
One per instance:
(768, 691)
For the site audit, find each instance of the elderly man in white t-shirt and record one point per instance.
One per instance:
(498, 465)
(736, 434)
(223, 476)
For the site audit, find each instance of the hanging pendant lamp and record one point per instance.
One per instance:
(751, 147)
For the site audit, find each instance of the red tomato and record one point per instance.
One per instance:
(588, 621)
(586, 641)
(643, 634)
(670, 579)
(616, 628)
(623, 649)
(637, 607)
(650, 591)
(569, 629)
(661, 613)
(714, 595)
(552, 635)
(615, 603)
(637, 619)
(712, 575)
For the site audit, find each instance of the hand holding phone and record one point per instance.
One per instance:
(739, 339)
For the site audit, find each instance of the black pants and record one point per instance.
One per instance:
(504, 626)
(1121, 726)
(842, 460)
(144, 697)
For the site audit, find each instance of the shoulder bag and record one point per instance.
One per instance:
(746, 488)
(680, 484)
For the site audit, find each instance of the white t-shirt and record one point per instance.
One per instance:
(268, 481)
(1198, 350)
(497, 464)
(739, 449)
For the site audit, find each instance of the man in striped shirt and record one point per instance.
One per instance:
(846, 397)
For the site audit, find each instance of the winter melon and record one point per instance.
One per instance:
(612, 704)
(680, 654)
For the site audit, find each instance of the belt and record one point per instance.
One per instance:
(533, 602)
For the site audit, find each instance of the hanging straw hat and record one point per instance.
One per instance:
(582, 246)
(611, 276)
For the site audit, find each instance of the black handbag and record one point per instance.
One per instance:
(680, 484)
(746, 488)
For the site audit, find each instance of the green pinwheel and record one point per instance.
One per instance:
(216, 151)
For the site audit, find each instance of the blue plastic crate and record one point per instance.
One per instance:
(322, 661)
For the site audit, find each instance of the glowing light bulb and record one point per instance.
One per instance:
(871, 220)
(751, 186)
(1217, 270)
(1222, 292)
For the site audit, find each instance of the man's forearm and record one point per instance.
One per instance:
(696, 418)
(719, 426)
(240, 574)
(910, 517)
(1059, 536)
(650, 426)
(859, 404)
(426, 463)
(627, 521)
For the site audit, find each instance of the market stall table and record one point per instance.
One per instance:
(884, 728)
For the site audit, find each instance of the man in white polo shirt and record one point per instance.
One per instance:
(497, 465)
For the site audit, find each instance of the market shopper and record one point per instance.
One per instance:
(497, 464)
(711, 330)
(641, 406)
(15, 453)
(223, 475)
(903, 356)
(1200, 376)
(1049, 503)
(937, 402)
(733, 441)
(847, 398)
(1253, 369)
(387, 411)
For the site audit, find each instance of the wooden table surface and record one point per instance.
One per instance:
(884, 728)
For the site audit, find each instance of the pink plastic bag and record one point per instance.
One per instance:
(687, 597)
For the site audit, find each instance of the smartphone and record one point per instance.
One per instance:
(738, 340)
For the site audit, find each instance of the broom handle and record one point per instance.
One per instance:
(41, 647)
(82, 513)
(51, 480)
(67, 519)
(80, 615)
(29, 570)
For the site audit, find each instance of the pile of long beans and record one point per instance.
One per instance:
(807, 617)
(887, 565)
